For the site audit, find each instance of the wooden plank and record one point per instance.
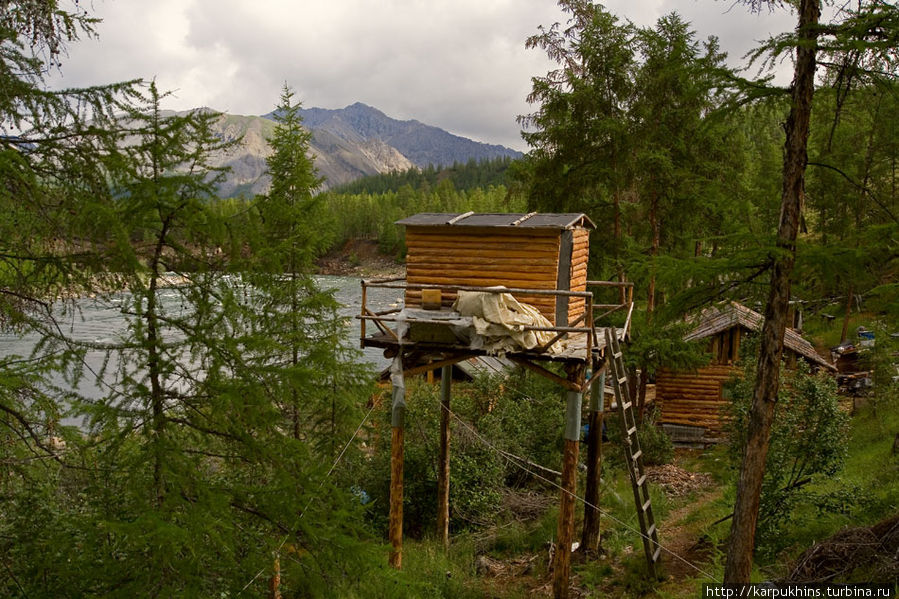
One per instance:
(475, 243)
(535, 253)
(547, 374)
(499, 253)
(565, 534)
(416, 273)
(475, 281)
(452, 262)
(453, 232)
(396, 498)
(443, 464)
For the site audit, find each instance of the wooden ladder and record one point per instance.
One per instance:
(633, 453)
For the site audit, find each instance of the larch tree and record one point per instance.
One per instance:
(873, 28)
(51, 177)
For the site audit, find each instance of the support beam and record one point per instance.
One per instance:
(562, 561)
(590, 535)
(443, 468)
(566, 383)
(397, 421)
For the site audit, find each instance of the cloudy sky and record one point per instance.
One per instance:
(457, 64)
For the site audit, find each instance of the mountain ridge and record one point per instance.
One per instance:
(347, 144)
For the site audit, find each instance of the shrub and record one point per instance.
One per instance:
(809, 440)
(654, 441)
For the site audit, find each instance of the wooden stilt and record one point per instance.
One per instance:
(396, 497)
(590, 535)
(443, 468)
(396, 464)
(562, 560)
(275, 582)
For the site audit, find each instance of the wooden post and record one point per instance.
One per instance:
(397, 420)
(562, 560)
(590, 535)
(362, 312)
(443, 468)
(275, 582)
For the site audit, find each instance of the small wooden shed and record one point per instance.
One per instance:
(691, 402)
(525, 251)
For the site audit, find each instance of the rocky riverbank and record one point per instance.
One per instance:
(360, 258)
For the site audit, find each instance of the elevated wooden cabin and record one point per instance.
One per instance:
(525, 251)
(691, 401)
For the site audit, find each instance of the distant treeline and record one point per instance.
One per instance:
(371, 215)
(464, 177)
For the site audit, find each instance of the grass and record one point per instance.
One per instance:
(869, 485)
(864, 493)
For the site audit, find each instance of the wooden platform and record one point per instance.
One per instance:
(576, 350)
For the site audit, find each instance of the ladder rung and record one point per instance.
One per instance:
(637, 455)
(650, 532)
(631, 431)
(617, 354)
(657, 553)
(626, 406)
(647, 505)
(641, 480)
(622, 380)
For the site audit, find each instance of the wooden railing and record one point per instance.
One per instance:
(585, 324)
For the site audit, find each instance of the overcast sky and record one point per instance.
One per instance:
(458, 64)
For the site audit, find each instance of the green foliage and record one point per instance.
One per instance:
(463, 177)
(521, 417)
(372, 215)
(525, 418)
(657, 446)
(654, 441)
(809, 442)
(477, 477)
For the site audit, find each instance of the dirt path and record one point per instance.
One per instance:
(682, 538)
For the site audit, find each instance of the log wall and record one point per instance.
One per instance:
(488, 256)
(580, 254)
(694, 398)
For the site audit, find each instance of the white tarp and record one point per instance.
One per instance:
(499, 321)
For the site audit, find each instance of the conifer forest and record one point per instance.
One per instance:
(227, 438)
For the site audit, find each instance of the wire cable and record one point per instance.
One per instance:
(581, 499)
(319, 488)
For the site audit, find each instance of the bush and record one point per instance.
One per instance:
(809, 440)
(476, 470)
(657, 446)
(654, 441)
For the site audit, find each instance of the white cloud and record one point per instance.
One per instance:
(457, 64)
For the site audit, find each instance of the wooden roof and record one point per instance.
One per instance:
(531, 220)
(715, 319)
(491, 365)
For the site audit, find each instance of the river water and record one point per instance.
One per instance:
(97, 321)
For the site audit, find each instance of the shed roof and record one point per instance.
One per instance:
(567, 220)
(715, 319)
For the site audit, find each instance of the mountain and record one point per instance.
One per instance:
(337, 160)
(346, 144)
(422, 144)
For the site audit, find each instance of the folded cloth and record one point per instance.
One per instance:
(499, 321)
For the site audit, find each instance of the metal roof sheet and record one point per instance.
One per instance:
(567, 220)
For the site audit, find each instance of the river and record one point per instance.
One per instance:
(91, 320)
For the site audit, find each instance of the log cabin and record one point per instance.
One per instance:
(691, 402)
(527, 251)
